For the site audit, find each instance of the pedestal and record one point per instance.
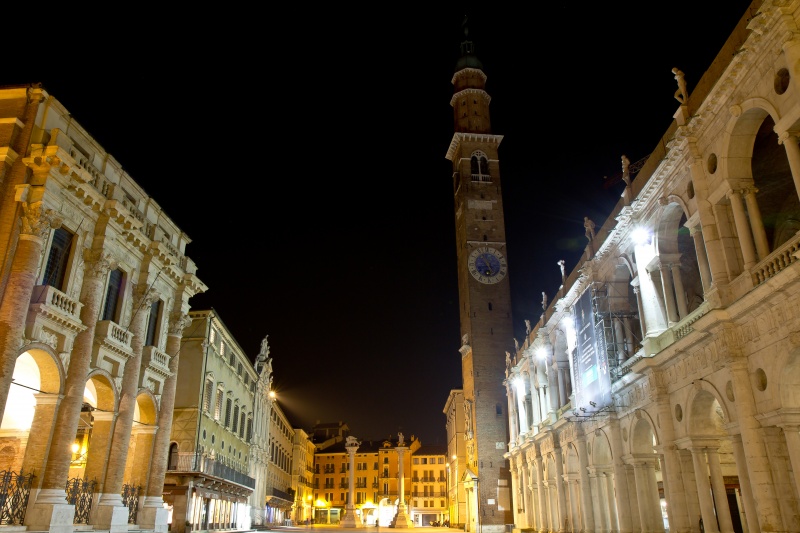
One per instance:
(401, 520)
(111, 514)
(152, 515)
(51, 512)
(351, 518)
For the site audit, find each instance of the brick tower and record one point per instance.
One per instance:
(484, 296)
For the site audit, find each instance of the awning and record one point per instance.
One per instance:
(278, 503)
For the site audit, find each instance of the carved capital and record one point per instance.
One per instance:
(144, 296)
(37, 221)
(96, 263)
(177, 323)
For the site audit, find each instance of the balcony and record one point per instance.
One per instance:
(190, 462)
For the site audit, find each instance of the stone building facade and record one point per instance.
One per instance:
(213, 468)
(659, 390)
(95, 287)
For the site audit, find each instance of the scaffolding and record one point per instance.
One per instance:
(616, 324)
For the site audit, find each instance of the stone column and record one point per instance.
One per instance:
(25, 260)
(789, 141)
(702, 257)
(704, 490)
(402, 520)
(97, 458)
(713, 246)
(743, 229)
(510, 405)
(690, 488)
(620, 477)
(680, 294)
(756, 223)
(574, 512)
(586, 491)
(351, 519)
(542, 494)
(668, 290)
(613, 516)
(595, 504)
(51, 505)
(655, 520)
(642, 322)
(153, 515)
(674, 493)
(644, 510)
(769, 516)
(750, 515)
(111, 513)
(720, 496)
(561, 508)
(791, 434)
(633, 496)
(39, 435)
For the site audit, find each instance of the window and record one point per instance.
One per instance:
(235, 418)
(416, 460)
(218, 405)
(228, 409)
(212, 336)
(232, 360)
(222, 349)
(207, 393)
(56, 268)
(249, 429)
(242, 425)
(152, 324)
(172, 464)
(113, 295)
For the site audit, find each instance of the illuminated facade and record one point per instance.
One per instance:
(211, 474)
(279, 490)
(659, 390)
(93, 301)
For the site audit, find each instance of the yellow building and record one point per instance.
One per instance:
(376, 477)
(429, 486)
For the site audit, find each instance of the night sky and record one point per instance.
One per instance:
(303, 152)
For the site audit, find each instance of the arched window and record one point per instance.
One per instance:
(479, 167)
(172, 464)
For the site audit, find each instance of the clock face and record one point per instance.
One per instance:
(487, 265)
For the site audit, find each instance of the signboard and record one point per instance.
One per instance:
(592, 377)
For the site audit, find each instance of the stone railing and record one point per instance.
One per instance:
(777, 260)
(110, 330)
(156, 359)
(55, 303)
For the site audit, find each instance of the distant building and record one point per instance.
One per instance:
(279, 491)
(429, 482)
(208, 482)
(303, 449)
(456, 459)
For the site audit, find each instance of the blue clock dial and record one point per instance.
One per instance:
(487, 265)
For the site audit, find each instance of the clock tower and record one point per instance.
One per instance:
(484, 296)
